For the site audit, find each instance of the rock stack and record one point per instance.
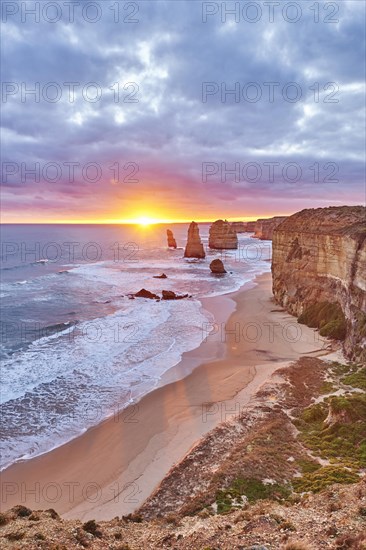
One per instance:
(222, 236)
(217, 267)
(194, 247)
(171, 240)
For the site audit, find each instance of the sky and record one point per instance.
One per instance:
(180, 110)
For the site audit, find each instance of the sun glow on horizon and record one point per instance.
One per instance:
(145, 221)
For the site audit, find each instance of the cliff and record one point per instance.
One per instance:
(319, 272)
(194, 247)
(222, 236)
(264, 227)
(243, 227)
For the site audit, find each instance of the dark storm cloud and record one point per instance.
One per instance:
(171, 131)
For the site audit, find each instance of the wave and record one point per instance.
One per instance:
(54, 381)
(40, 335)
(24, 265)
(107, 361)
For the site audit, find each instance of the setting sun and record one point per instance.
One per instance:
(145, 221)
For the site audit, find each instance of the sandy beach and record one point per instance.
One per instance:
(112, 468)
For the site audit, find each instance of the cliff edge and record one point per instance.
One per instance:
(265, 227)
(319, 272)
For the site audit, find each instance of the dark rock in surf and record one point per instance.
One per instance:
(217, 267)
(170, 295)
(143, 293)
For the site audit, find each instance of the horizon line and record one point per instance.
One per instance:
(128, 222)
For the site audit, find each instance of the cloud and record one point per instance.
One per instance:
(163, 62)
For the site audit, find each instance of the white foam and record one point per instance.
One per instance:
(115, 359)
(126, 352)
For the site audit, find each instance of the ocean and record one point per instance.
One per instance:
(75, 348)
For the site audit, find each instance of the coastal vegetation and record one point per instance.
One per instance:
(305, 450)
(251, 490)
(310, 434)
(327, 317)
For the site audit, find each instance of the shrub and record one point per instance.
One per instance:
(315, 413)
(308, 466)
(322, 478)
(52, 513)
(19, 535)
(288, 526)
(343, 440)
(92, 527)
(3, 519)
(340, 403)
(340, 369)
(172, 518)
(354, 405)
(327, 387)
(327, 317)
(336, 329)
(356, 379)
(21, 511)
(252, 489)
(136, 518)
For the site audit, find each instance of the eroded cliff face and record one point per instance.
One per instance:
(243, 227)
(222, 236)
(265, 227)
(319, 255)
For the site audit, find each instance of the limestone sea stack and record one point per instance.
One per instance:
(319, 272)
(171, 240)
(194, 247)
(217, 267)
(222, 236)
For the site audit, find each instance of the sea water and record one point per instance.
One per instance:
(75, 348)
